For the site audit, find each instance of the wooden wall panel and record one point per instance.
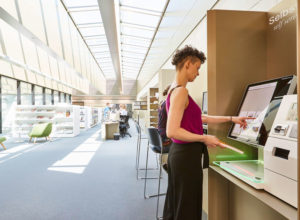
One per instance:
(236, 57)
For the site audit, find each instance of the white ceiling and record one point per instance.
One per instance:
(148, 32)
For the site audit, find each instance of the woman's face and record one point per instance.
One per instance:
(193, 70)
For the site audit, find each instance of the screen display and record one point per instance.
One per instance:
(204, 103)
(261, 101)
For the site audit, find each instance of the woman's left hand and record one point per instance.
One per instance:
(241, 121)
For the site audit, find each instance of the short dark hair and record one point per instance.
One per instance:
(188, 52)
(165, 92)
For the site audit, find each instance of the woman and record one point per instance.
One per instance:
(184, 127)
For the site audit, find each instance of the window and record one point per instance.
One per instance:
(38, 93)
(48, 96)
(26, 93)
(9, 102)
(62, 97)
(56, 97)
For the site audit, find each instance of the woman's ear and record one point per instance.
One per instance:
(187, 64)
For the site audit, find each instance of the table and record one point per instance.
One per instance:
(109, 128)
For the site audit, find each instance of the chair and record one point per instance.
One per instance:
(124, 125)
(156, 145)
(40, 130)
(138, 152)
(2, 139)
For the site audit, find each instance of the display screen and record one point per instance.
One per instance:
(261, 101)
(204, 103)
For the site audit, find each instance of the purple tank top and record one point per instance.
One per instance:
(191, 119)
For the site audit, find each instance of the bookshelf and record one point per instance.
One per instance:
(153, 105)
(140, 105)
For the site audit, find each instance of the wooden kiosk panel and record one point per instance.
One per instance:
(237, 48)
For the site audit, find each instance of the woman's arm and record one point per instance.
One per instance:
(212, 119)
(175, 115)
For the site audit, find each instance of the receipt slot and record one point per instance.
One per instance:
(280, 153)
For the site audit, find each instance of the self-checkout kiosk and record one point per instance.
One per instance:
(280, 153)
(274, 129)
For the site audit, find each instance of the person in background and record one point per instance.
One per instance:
(184, 126)
(162, 119)
(114, 113)
(106, 111)
(161, 127)
(123, 111)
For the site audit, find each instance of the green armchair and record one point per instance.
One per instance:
(40, 130)
(2, 139)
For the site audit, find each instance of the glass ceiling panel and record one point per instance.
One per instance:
(139, 18)
(131, 64)
(130, 70)
(105, 61)
(125, 73)
(156, 5)
(135, 38)
(135, 42)
(84, 17)
(131, 54)
(135, 58)
(92, 31)
(99, 49)
(128, 74)
(107, 68)
(135, 66)
(100, 56)
(134, 49)
(136, 32)
(99, 40)
(77, 3)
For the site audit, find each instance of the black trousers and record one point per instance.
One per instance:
(185, 180)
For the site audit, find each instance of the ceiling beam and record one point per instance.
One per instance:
(108, 15)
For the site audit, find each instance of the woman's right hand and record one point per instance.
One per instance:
(211, 141)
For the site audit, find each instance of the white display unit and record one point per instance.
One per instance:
(83, 118)
(100, 114)
(94, 121)
(66, 121)
(28, 115)
(63, 124)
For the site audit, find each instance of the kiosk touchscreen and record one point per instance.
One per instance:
(261, 101)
